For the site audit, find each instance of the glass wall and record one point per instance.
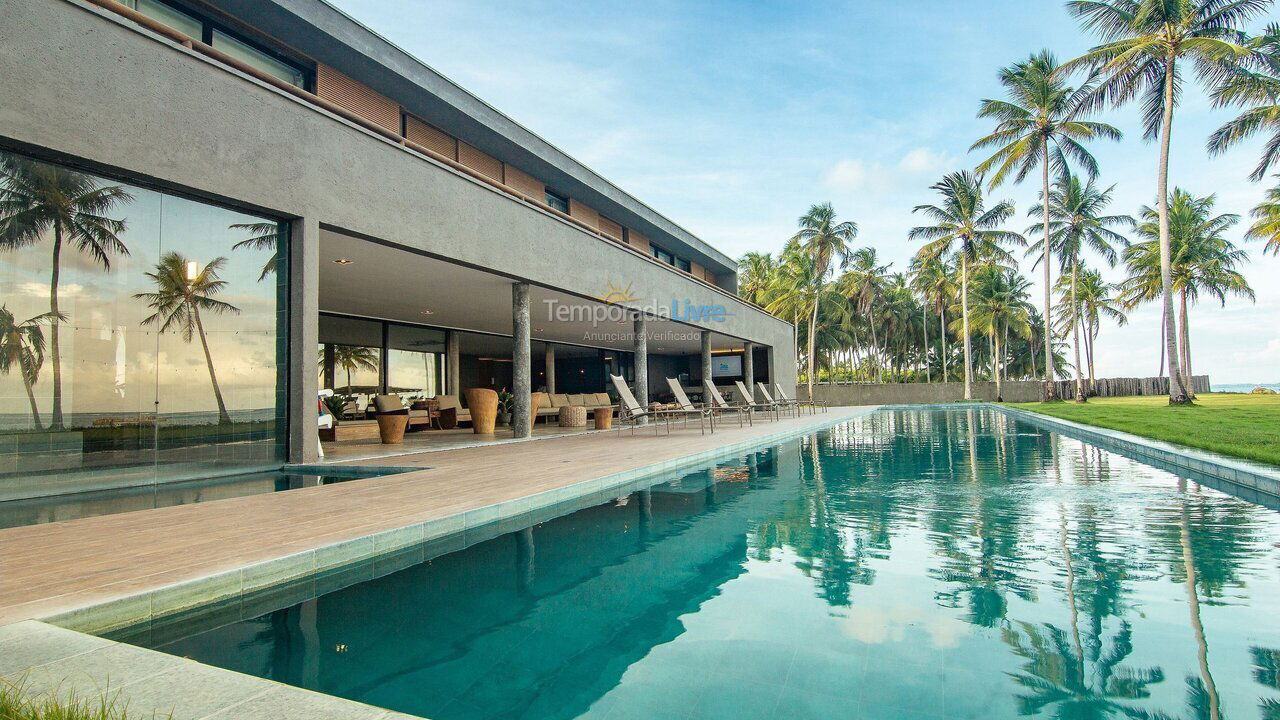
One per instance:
(142, 335)
(414, 360)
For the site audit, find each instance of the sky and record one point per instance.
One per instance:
(733, 118)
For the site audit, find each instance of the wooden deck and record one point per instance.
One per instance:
(59, 567)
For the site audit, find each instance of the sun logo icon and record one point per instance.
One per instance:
(618, 295)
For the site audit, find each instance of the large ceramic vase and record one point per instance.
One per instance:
(483, 404)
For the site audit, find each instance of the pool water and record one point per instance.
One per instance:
(57, 508)
(906, 564)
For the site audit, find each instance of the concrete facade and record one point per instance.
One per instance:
(110, 96)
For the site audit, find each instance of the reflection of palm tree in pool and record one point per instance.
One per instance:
(354, 357)
(262, 236)
(183, 289)
(1266, 670)
(36, 198)
(22, 348)
(1056, 675)
(1205, 689)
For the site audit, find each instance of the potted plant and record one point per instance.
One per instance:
(334, 404)
(504, 407)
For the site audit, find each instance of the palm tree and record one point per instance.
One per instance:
(22, 348)
(352, 358)
(755, 273)
(824, 239)
(183, 290)
(863, 285)
(1076, 223)
(1000, 308)
(1201, 260)
(1266, 222)
(36, 198)
(934, 280)
(1256, 86)
(1094, 299)
(967, 228)
(1042, 113)
(262, 236)
(1143, 44)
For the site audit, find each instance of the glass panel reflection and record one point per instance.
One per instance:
(141, 335)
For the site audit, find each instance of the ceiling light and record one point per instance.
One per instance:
(427, 312)
(343, 261)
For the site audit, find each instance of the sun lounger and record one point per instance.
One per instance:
(719, 404)
(745, 394)
(632, 412)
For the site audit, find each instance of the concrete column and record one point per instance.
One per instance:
(749, 368)
(551, 368)
(521, 368)
(771, 359)
(706, 355)
(641, 358)
(304, 339)
(452, 372)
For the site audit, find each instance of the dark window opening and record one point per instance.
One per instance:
(559, 202)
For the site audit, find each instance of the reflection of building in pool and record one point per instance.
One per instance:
(610, 582)
(300, 191)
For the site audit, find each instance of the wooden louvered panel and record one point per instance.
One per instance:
(525, 184)
(342, 90)
(610, 228)
(697, 270)
(584, 213)
(485, 165)
(709, 276)
(432, 137)
(639, 242)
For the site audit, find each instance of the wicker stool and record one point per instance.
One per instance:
(573, 416)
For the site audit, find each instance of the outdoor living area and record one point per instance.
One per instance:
(419, 354)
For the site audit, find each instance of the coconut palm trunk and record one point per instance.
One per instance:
(1090, 336)
(31, 398)
(1178, 394)
(924, 325)
(964, 312)
(995, 363)
(813, 332)
(942, 328)
(1075, 327)
(224, 418)
(1185, 330)
(1050, 391)
(55, 355)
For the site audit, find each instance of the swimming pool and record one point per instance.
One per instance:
(906, 564)
(72, 506)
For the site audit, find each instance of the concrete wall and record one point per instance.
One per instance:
(87, 87)
(927, 393)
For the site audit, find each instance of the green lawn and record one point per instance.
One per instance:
(1245, 426)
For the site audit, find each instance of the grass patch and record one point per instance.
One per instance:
(1240, 425)
(17, 705)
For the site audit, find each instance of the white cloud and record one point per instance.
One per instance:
(1268, 354)
(847, 175)
(922, 159)
(36, 289)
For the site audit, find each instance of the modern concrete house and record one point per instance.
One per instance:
(215, 208)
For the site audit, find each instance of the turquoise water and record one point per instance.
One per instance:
(908, 564)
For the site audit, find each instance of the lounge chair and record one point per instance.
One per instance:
(719, 405)
(683, 401)
(745, 394)
(631, 411)
(791, 405)
(813, 404)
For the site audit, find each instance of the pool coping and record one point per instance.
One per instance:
(1245, 475)
(69, 639)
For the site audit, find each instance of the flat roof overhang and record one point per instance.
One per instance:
(363, 278)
